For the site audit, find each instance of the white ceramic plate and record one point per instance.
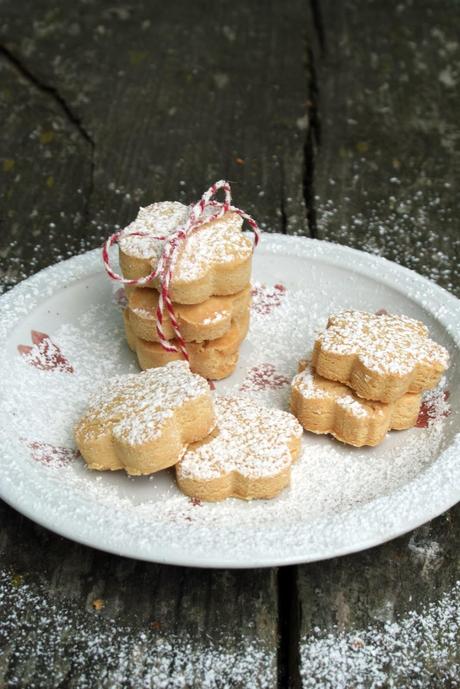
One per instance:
(341, 499)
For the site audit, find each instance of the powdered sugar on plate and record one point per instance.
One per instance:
(341, 498)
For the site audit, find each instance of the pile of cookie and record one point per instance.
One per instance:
(209, 289)
(366, 376)
(220, 446)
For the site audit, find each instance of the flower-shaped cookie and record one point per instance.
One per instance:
(214, 260)
(143, 422)
(197, 322)
(213, 359)
(248, 456)
(381, 357)
(325, 406)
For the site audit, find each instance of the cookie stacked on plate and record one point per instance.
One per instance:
(366, 376)
(209, 289)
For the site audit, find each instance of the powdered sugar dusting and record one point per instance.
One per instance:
(44, 354)
(51, 455)
(263, 377)
(102, 652)
(251, 441)
(306, 384)
(352, 405)
(337, 493)
(418, 649)
(266, 298)
(386, 344)
(134, 407)
(218, 242)
(216, 317)
(156, 220)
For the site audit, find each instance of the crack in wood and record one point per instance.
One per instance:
(282, 209)
(313, 138)
(318, 24)
(311, 144)
(61, 103)
(288, 629)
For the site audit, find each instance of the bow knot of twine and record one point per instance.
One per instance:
(198, 216)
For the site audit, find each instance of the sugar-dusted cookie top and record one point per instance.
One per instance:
(325, 406)
(248, 456)
(142, 422)
(380, 356)
(215, 259)
(156, 220)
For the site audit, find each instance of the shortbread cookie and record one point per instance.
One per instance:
(249, 455)
(381, 357)
(213, 359)
(143, 422)
(215, 259)
(197, 322)
(325, 406)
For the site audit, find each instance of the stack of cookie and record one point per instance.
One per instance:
(366, 377)
(209, 289)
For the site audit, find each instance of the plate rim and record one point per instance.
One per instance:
(333, 254)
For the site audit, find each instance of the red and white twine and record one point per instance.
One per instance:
(172, 243)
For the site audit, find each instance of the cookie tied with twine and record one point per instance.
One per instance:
(208, 320)
(204, 254)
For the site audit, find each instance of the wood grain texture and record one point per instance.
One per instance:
(76, 617)
(384, 180)
(44, 177)
(356, 603)
(387, 164)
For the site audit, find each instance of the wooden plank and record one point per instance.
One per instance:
(145, 101)
(387, 617)
(175, 96)
(75, 617)
(44, 177)
(384, 181)
(388, 162)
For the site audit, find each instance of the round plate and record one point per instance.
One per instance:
(61, 337)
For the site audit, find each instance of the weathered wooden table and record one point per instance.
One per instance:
(335, 120)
